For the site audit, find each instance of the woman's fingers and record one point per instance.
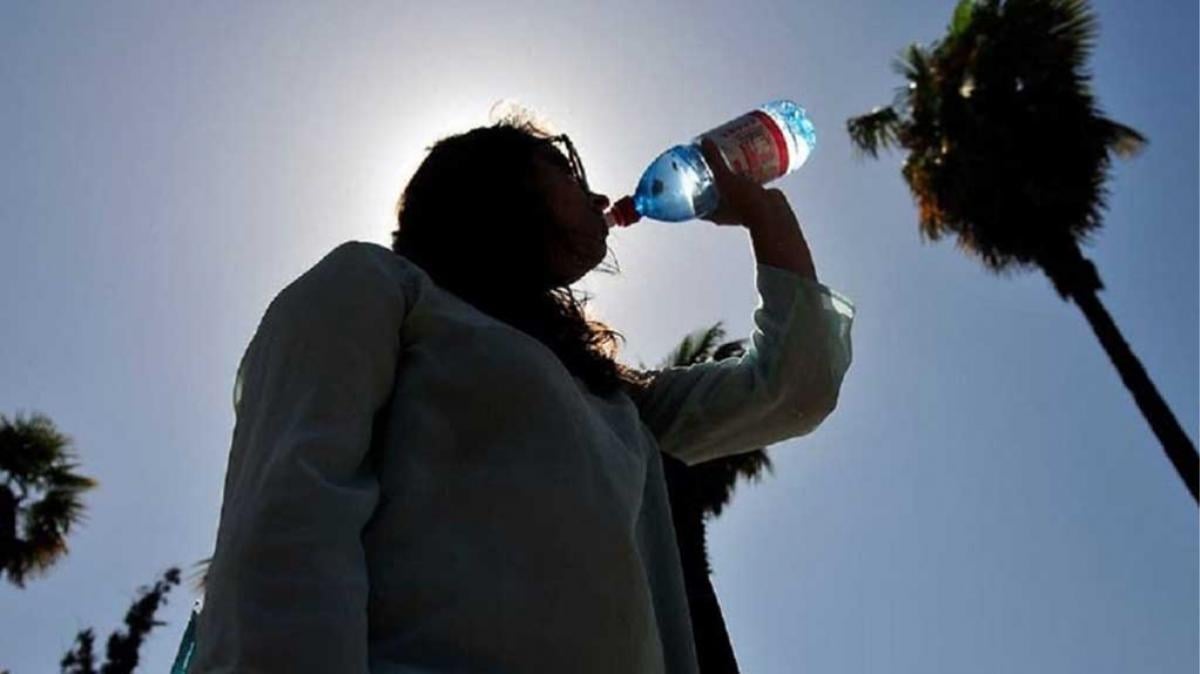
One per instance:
(742, 200)
(735, 190)
(716, 162)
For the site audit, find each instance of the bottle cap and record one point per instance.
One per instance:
(622, 213)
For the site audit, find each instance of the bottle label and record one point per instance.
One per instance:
(753, 145)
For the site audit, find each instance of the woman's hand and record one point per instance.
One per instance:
(774, 230)
(743, 201)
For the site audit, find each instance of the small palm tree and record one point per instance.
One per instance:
(698, 493)
(1007, 150)
(123, 649)
(40, 492)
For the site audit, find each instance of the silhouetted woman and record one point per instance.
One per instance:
(439, 466)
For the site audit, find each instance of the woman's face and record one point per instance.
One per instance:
(581, 243)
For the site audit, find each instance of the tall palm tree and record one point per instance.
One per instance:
(698, 493)
(40, 492)
(1007, 149)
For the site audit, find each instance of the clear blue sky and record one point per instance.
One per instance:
(986, 498)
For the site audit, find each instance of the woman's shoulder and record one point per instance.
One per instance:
(355, 272)
(372, 263)
(370, 257)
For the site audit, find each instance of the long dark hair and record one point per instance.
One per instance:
(473, 218)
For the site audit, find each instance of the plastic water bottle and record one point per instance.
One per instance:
(763, 144)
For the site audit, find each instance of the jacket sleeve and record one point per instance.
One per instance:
(784, 386)
(287, 587)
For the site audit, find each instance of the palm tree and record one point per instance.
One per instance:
(698, 493)
(1007, 149)
(40, 491)
(123, 649)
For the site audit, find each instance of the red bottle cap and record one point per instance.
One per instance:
(623, 214)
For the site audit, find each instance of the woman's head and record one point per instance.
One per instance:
(504, 218)
(502, 206)
(579, 234)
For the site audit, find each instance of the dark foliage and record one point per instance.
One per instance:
(40, 496)
(121, 652)
(1006, 148)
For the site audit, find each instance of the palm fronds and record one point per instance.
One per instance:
(41, 496)
(1006, 148)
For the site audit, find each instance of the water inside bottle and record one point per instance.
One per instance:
(676, 186)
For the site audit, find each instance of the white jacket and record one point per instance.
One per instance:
(414, 486)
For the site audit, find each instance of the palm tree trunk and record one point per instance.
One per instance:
(1075, 278)
(1175, 442)
(713, 646)
(714, 651)
(8, 526)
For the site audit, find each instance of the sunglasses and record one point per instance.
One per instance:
(573, 159)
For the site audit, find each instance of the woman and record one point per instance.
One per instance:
(439, 466)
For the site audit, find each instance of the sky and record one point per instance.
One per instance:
(986, 496)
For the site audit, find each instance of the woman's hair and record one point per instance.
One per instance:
(473, 217)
